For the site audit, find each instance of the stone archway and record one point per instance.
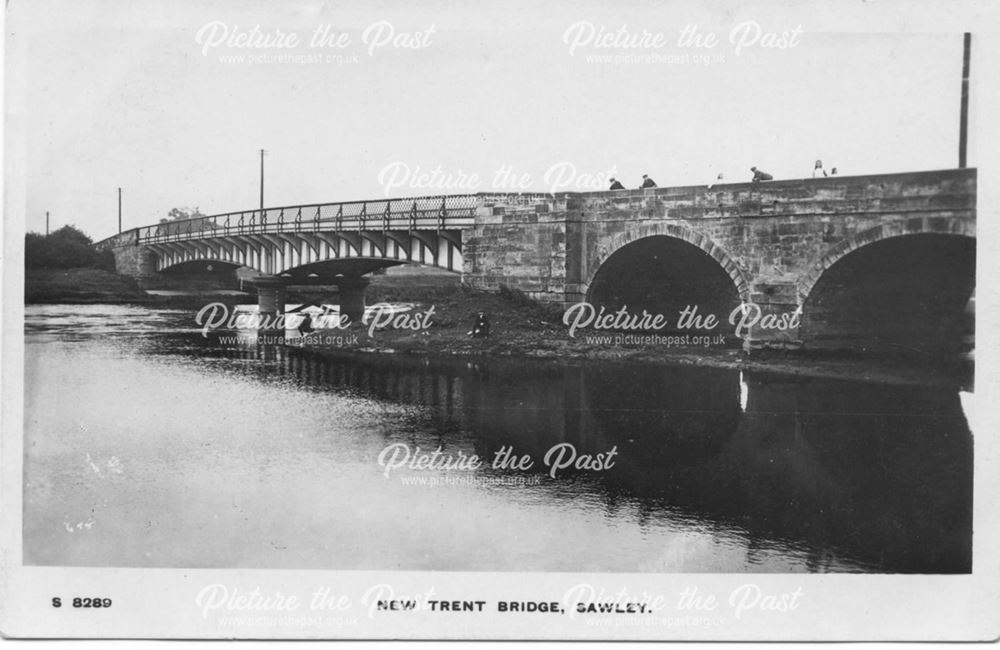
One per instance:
(919, 225)
(902, 287)
(665, 275)
(679, 232)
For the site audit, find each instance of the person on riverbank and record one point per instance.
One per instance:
(818, 171)
(647, 182)
(306, 326)
(759, 175)
(480, 327)
(615, 185)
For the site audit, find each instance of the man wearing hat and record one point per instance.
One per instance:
(615, 185)
(647, 182)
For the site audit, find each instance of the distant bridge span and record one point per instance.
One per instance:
(279, 240)
(860, 257)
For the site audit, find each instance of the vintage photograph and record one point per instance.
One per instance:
(497, 289)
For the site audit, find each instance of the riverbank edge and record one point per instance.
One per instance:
(864, 370)
(792, 364)
(531, 330)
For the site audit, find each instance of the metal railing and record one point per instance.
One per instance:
(417, 213)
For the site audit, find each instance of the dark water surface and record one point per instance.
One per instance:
(147, 445)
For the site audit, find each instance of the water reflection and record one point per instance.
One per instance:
(880, 474)
(716, 470)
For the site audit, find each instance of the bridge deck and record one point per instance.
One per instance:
(868, 193)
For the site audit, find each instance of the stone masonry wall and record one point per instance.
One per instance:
(769, 236)
(130, 259)
(518, 246)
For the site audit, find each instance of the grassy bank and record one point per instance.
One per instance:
(85, 285)
(524, 328)
(79, 285)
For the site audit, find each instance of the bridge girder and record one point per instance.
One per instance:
(269, 252)
(177, 250)
(223, 245)
(429, 240)
(248, 242)
(297, 239)
(401, 239)
(273, 240)
(204, 246)
(353, 240)
(452, 236)
(376, 239)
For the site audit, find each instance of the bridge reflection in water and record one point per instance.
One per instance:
(879, 475)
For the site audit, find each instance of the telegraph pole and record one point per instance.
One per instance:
(262, 152)
(119, 210)
(963, 129)
(46, 223)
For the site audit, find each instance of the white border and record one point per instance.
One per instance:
(161, 603)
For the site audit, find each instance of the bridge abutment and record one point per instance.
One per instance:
(131, 258)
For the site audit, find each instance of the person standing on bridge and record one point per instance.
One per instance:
(615, 185)
(759, 175)
(647, 182)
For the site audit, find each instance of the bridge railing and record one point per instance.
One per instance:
(416, 213)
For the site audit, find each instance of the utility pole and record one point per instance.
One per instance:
(262, 152)
(119, 210)
(46, 223)
(963, 129)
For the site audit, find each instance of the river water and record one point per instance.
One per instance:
(149, 445)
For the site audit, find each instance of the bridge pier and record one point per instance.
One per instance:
(270, 301)
(779, 319)
(352, 297)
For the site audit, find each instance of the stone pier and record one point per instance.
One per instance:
(352, 297)
(270, 301)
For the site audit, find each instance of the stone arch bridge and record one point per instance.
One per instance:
(867, 261)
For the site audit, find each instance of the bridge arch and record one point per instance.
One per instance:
(201, 263)
(675, 231)
(664, 268)
(900, 228)
(347, 266)
(902, 286)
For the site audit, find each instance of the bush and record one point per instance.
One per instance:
(65, 248)
(105, 260)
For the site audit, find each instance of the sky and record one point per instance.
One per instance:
(150, 97)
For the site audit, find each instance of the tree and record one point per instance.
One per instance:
(176, 214)
(65, 248)
(36, 252)
(180, 220)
